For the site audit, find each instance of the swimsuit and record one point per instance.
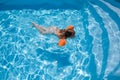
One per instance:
(52, 30)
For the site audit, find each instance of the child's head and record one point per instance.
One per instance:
(69, 33)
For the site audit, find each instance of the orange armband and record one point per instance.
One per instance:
(70, 27)
(62, 42)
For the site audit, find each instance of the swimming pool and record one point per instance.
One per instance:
(94, 53)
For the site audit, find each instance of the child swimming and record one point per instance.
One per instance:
(62, 34)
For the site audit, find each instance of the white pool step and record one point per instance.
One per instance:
(115, 9)
(96, 32)
(114, 40)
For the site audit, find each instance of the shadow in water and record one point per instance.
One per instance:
(62, 59)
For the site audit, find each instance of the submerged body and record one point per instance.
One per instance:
(63, 34)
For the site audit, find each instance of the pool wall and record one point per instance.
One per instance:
(49, 4)
(37, 4)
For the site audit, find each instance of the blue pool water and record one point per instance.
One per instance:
(94, 53)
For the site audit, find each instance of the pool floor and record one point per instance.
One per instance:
(93, 54)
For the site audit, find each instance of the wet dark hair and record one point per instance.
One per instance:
(69, 33)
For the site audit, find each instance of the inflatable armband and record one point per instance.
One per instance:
(62, 42)
(70, 27)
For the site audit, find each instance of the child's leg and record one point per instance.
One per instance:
(44, 30)
(41, 29)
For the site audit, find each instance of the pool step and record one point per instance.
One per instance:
(109, 10)
(113, 8)
(110, 20)
(100, 40)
